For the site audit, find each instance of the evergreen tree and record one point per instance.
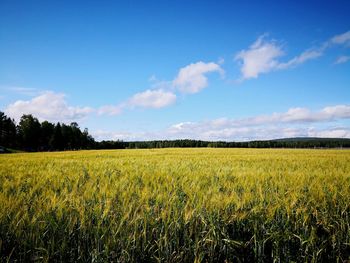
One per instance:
(8, 131)
(29, 129)
(47, 130)
(56, 142)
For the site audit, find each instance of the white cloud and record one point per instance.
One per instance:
(22, 90)
(292, 116)
(192, 78)
(342, 39)
(152, 99)
(110, 110)
(334, 112)
(298, 115)
(228, 134)
(159, 84)
(303, 57)
(293, 123)
(49, 106)
(275, 125)
(100, 135)
(261, 57)
(342, 59)
(330, 133)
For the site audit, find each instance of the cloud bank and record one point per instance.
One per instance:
(295, 122)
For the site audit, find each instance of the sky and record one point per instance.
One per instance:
(209, 70)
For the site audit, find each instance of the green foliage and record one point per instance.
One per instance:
(31, 135)
(7, 131)
(176, 205)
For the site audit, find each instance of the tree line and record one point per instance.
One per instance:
(32, 135)
(287, 143)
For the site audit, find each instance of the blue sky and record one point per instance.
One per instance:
(213, 70)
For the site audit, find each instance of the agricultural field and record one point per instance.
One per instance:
(176, 205)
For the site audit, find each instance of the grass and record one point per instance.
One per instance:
(176, 205)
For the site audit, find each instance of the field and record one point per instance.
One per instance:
(176, 205)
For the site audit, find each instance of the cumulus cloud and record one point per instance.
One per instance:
(260, 57)
(53, 106)
(192, 78)
(152, 99)
(263, 57)
(342, 59)
(148, 99)
(49, 106)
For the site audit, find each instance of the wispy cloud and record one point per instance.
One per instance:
(110, 110)
(22, 90)
(302, 58)
(49, 106)
(342, 59)
(264, 55)
(342, 39)
(293, 115)
(100, 135)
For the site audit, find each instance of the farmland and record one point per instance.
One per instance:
(176, 205)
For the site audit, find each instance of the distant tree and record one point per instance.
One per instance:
(56, 142)
(8, 132)
(47, 130)
(76, 136)
(29, 129)
(66, 136)
(88, 141)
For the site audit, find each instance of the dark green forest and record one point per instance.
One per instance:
(32, 135)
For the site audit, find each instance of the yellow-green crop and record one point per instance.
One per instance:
(176, 205)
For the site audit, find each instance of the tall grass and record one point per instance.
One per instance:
(176, 205)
